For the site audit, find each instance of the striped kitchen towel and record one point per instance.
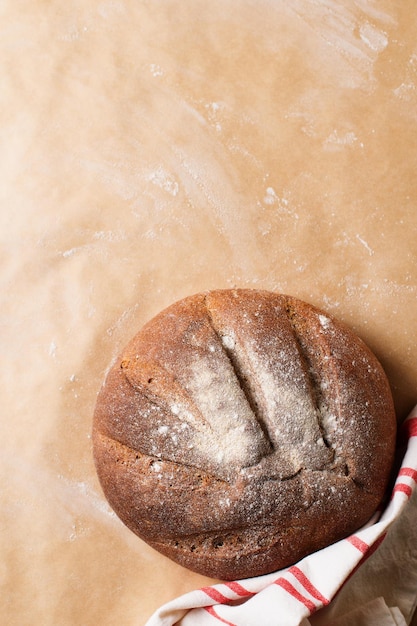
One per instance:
(290, 596)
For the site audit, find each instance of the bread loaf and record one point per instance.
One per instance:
(241, 430)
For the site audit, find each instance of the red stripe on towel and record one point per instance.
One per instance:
(358, 544)
(288, 587)
(239, 590)
(308, 585)
(213, 613)
(215, 595)
(402, 488)
(408, 471)
(410, 427)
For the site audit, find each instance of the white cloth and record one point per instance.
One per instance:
(292, 596)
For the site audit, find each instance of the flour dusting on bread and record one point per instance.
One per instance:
(241, 430)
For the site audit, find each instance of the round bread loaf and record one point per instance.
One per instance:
(241, 430)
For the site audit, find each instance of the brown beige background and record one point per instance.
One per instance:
(151, 149)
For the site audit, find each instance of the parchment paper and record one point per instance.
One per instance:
(151, 150)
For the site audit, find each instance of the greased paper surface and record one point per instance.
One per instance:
(151, 150)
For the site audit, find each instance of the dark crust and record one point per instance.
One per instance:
(287, 490)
